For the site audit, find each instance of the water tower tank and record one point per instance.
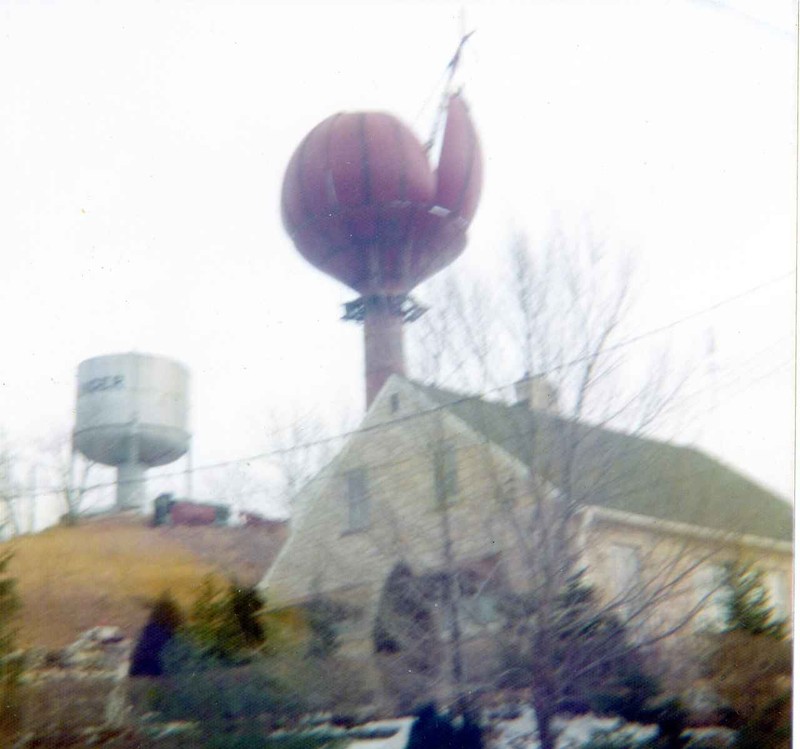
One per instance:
(362, 203)
(132, 413)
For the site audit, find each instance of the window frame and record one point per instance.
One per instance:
(445, 473)
(357, 501)
(779, 587)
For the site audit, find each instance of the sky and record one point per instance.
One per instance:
(143, 147)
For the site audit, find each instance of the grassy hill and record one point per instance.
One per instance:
(107, 570)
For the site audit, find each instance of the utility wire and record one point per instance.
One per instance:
(279, 452)
(346, 435)
(468, 492)
(690, 316)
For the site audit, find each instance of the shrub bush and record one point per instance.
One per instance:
(226, 623)
(165, 620)
(434, 731)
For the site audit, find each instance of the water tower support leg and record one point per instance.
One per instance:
(130, 485)
(189, 472)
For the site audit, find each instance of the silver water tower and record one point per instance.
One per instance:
(132, 413)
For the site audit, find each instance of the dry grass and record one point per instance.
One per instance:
(107, 571)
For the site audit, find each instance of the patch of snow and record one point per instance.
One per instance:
(398, 741)
(519, 733)
(573, 733)
(576, 732)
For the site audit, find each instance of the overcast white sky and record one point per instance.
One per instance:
(143, 145)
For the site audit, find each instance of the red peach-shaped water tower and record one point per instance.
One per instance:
(362, 203)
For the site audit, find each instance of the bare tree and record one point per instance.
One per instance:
(299, 445)
(455, 342)
(526, 530)
(68, 471)
(562, 312)
(237, 486)
(10, 492)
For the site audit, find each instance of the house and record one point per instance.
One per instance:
(436, 480)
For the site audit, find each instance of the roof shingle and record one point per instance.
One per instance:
(619, 471)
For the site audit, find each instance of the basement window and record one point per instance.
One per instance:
(357, 497)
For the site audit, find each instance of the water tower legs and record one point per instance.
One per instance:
(130, 485)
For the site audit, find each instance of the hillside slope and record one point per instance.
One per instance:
(106, 571)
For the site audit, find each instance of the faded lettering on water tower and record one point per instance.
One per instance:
(97, 384)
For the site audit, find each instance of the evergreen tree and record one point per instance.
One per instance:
(748, 607)
(574, 654)
(225, 622)
(165, 620)
(9, 607)
(431, 730)
(751, 664)
(10, 667)
(247, 606)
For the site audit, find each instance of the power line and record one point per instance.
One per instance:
(698, 313)
(278, 452)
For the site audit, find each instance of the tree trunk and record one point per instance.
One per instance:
(544, 718)
(457, 697)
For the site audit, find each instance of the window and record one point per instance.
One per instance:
(394, 403)
(476, 592)
(711, 590)
(625, 575)
(445, 473)
(478, 610)
(777, 583)
(357, 500)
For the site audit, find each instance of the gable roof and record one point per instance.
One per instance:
(599, 466)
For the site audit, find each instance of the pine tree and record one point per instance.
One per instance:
(9, 607)
(164, 622)
(751, 664)
(213, 625)
(225, 623)
(575, 655)
(10, 667)
(748, 607)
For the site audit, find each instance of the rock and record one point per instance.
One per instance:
(96, 650)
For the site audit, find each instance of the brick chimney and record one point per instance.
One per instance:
(536, 393)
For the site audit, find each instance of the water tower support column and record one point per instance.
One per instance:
(383, 317)
(130, 485)
(383, 344)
